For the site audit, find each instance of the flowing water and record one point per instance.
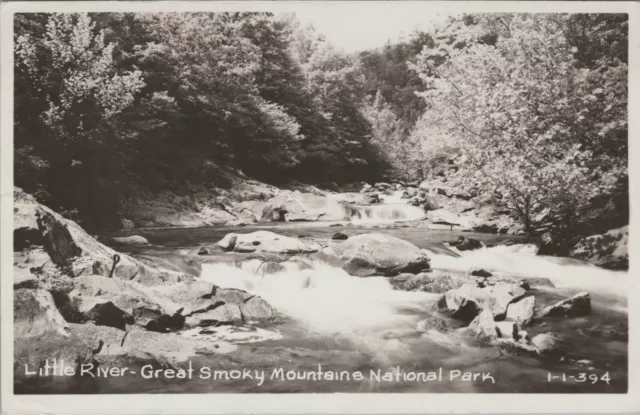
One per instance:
(348, 324)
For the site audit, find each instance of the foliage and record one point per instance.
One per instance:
(111, 100)
(542, 123)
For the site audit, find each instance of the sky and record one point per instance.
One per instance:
(355, 27)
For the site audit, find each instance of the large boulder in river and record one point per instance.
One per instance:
(432, 282)
(548, 345)
(465, 244)
(377, 254)
(130, 240)
(578, 305)
(265, 241)
(609, 250)
(522, 311)
(41, 336)
(484, 327)
(297, 206)
(466, 302)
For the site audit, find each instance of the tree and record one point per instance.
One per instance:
(539, 128)
(69, 105)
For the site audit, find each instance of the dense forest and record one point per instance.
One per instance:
(530, 109)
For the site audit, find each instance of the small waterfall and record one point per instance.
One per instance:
(392, 208)
(386, 213)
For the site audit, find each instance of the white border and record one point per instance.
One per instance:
(305, 403)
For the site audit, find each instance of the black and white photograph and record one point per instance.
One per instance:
(304, 200)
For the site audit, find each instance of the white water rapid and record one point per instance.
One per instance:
(393, 208)
(327, 299)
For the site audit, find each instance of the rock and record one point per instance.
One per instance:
(339, 236)
(522, 310)
(578, 305)
(609, 250)
(297, 206)
(522, 336)
(130, 240)
(409, 192)
(42, 335)
(433, 323)
(112, 302)
(265, 241)
(484, 327)
(51, 247)
(430, 204)
(36, 225)
(144, 347)
(204, 304)
(427, 282)
(373, 198)
(365, 188)
(127, 224)
(203, 251)
(465, 244)
(517, 348)
(507, 329)
(481, 273)
(378, 254)
(466, 302)
(539, 282)
(548, 345)
(551, 245)
(382, 186)
(417, 201)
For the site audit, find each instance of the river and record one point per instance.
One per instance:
(352, 324)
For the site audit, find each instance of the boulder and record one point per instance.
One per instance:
(143, 347)
(42, 336)
(373, 199)
(465, 244)
(297, 206)
(578, 305)
(539, 282)
(69, 250)
(339, 236)
(204, 304)
(481, 273)
(417, 201)
(466, 302)
(507, 329)
(548, 345)
(484, 327)
(409, 192)
(378, 254)
(127, 224)
(609, 250)
(522, 311)
(430, 203)
(551, 245)
(431, 282)
(130, 240)
(111, 302)
(433, 323)
(517, 348)
(265, 241)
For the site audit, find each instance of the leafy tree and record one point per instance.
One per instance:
(539, 128)
(66, 79)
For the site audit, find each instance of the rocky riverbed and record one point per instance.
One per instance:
(365, 296)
